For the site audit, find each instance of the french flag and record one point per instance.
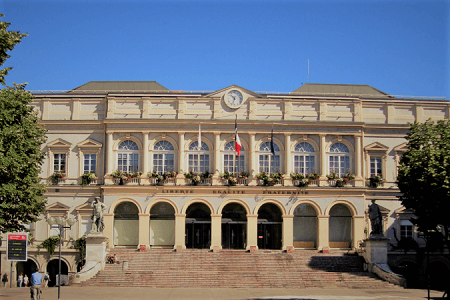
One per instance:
(237, 141)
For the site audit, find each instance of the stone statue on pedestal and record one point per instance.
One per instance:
(97, 217)
(375, 219)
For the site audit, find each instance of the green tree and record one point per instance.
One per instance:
(424, 175)
(21, 136)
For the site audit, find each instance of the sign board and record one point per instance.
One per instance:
(16, 248)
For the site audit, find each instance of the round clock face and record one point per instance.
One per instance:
(233, 99)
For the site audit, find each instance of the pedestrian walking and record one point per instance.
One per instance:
(5, 279)
(20, 279)
(25, 280)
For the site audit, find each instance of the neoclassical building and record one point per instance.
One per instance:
(128, 133)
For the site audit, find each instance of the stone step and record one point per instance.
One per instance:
(200, 268)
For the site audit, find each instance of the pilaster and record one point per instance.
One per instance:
(144, 230)
(252, 232)
(323, 232)
(288, 233)
(180, 228)
(216, 232)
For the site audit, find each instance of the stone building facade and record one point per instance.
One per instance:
(321, 131)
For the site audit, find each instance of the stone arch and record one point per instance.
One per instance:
(155, 201)
(163, 138)
(243, 203)
(231, 139)
(121, 200)
(347, 203)
(122, 139)
(306, 201)
(197, 200)
(193, 139)
(273, 201)
(300, 140)
(347, 143)
(267, 139)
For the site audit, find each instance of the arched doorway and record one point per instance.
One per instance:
(198, 226)
(162, 225)
(439, 275)
(305, 226)
(26, 267)
(234, 226)
(270, 224)
(340, 227)
(126, 224)
(409, 271)
(53, 270)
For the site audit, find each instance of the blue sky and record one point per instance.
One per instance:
(400, 47)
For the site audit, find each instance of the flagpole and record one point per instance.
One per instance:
(235, 156)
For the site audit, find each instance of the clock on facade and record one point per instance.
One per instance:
(233, 99)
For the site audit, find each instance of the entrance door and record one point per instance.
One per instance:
(234, 235)
(198, 234)
(269, 235)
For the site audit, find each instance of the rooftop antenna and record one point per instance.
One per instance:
(308, 72)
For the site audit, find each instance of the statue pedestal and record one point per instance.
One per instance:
(376, 249)
(96, 247)
(376, 258)
(95, 257)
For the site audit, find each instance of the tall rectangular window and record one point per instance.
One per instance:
(233, 163)
(90, 162)
(375, 166)
(406, 229)
(59, 163)
(198, 162)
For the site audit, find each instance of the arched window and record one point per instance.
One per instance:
(198, 158)
(231, 162)
(163, 157)
(339, 158)
(128, 157)
(268, 162)
(304, 158)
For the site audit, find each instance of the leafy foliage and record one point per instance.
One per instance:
(80, 245)
(50, 244)
(21, 135)
(8, 40)
(424, 175)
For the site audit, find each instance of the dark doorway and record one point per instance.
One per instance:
(26, 267)
(270, 226)
(234, 226)
(53, 270)
(198, 226)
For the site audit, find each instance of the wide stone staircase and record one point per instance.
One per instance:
(165, 268)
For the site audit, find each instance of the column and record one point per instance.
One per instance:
(358, 230)
(287, 160)
(323, 232)
(109, 153)
(359, 181)
(217, 167)
(180, 232)
(181, 165)
(216, 232)
(252, 233)
(109, 228)
(145, 153)
(251, 164)
(144, 230)
(323, 161)
(288, 233)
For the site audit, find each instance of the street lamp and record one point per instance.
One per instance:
(61, 222)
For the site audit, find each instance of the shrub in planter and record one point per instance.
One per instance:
(87, 178)
(57, 175)
(375, 181)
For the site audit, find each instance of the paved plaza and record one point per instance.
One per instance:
(113, 293)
